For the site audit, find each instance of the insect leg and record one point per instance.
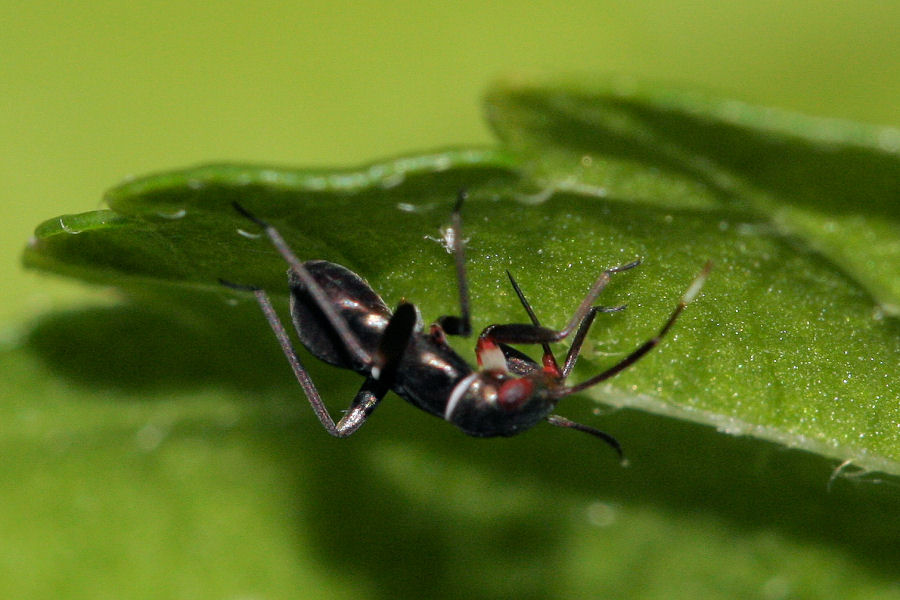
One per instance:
(334, 319)
(368, 397)
(391, 346)
(549, 359)
(517, 362)
(578, 340)
(461, 325)
(580, 334)
(536, 334)
(647, 346)
(393, 343)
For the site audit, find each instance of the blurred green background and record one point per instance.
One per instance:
(93, 92)
(96, 91)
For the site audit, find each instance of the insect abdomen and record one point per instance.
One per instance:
(357, 304)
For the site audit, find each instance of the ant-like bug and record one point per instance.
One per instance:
(342, 321)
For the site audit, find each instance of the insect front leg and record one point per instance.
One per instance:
(578, 340)
(688, 297)
(536, 334)
(494, 337)
(549, 359)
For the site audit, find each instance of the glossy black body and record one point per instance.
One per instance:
(429, 369)
(341, 320)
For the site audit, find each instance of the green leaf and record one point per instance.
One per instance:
(810, 251)
(785, 345)
(793, 342)
(833, 184)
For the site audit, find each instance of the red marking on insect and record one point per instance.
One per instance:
(514, 392)
(341, 320)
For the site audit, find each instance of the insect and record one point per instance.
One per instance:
(342, 321)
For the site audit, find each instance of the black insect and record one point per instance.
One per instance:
(342, 321)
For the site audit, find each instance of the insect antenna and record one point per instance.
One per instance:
(608, 439)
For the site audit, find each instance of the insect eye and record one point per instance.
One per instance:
(514, 393)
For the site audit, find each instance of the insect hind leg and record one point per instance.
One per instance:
(365, 401)
(354, 347)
